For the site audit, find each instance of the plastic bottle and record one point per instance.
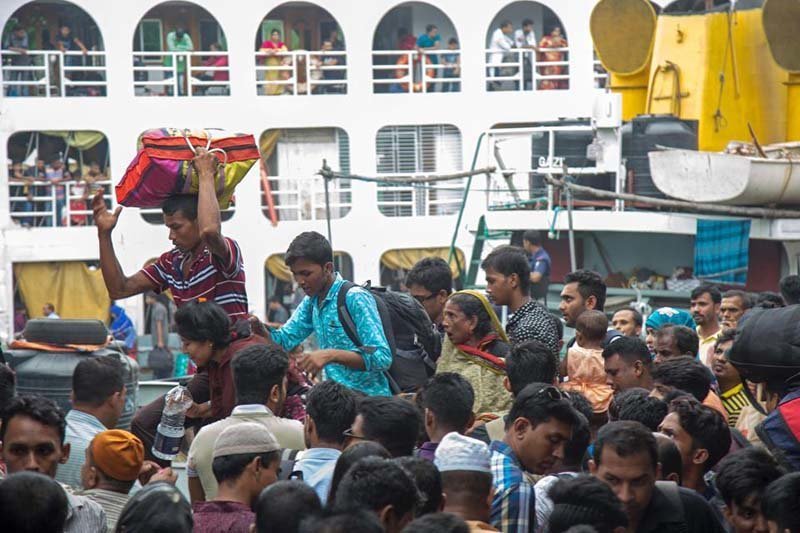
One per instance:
(170, 431)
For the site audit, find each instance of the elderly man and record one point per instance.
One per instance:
(734, 304)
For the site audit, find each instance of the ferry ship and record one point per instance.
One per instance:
(353, 85)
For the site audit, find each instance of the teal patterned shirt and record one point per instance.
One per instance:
(311, 317)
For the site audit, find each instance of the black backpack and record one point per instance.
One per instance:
(767, 346)
(409, 331)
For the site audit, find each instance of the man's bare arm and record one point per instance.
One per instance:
(208, 215)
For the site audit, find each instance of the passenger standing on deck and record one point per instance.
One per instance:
(203, 265)
(310, 259)
(540, 264)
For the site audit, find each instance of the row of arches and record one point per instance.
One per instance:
(180, 49)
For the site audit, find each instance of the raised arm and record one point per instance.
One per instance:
(208, 215)
(118, 284)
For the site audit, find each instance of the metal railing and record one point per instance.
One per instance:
(416, 71)
(419, 199)
(42, 204)
(303, 198)
(521, 70)
(181, 74)
(301, 72)
(600, 75)
(52, 73)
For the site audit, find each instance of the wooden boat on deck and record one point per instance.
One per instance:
(742, 175)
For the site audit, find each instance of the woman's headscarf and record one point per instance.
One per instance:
(157, 508)
(669, 315)
(496, 325)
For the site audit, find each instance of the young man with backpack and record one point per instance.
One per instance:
(363, 367)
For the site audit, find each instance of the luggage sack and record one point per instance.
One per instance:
(162, 167)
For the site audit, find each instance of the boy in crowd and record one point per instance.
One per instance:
(246, 460)
(430, 282)
(310, 259)
(628, 365)
(447, 402)
(392, 422)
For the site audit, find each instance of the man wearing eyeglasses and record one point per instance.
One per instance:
(430, 282)
(539, 425)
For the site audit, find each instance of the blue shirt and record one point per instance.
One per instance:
(424, 41)
(317, 465)
(540, 262)
(513, 505)
(81, 429)
(322, 318)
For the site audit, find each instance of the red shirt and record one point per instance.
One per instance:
(220, 378)
(216, 517)
(210, 278)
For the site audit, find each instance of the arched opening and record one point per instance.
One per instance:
(396, 263)
(282, 294)
(52, 48)
(156, 217)
(53, 176)
(290, 185)
(300, 50)
(179, 49)
(526, 49)
(419, 150)
(415, 49)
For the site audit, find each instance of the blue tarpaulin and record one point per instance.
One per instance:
(721, 251)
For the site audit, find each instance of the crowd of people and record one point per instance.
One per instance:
(642, 426)
(541, 62)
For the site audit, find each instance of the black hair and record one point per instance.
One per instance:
(530, 362)
(669, 456)
(505, 23)
(373, 483)
(575, 447)
(204, 321)
(533, 236)
(585, 500)
(450, 397)
(32, 503)
(358, 521)
(638, 319)
(707, 288)
(593, 325)
(428, 481)
(684, 373)
(630, 349)
(256, 370)
(433, 273)
(726, 335)
(626, 438)
(8, 385)
(527, 22)
(283, 505)
(790, 289)
(637, 405)
(745, 472)
(537, 403)
(351, 456)
(311, 246)
(230, 467)
(277, 298)
(275, 30)
(391, 421)
(452, 40)
(95, 379)
(747, 301)
(686, 339)
(769, 300)
(706, 426)
(466, 487)
(508, 260)
(589, 284)
(332, 406)
(36, 407)
(430, 27)
(472, 307)
(157, 508)
(437, 523)
(674, 394)
(781, 502)
(581, 404)
(185, 204)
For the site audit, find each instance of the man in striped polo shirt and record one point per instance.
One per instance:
(203, 265)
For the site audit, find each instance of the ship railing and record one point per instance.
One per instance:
(600, 75)
(301, 72)
(303, 198)
(521, 69)
(53, 73)
(443, 198)
(416, 71)
(181, 74)
(43, 204)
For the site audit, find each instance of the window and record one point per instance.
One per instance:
(148, 35)
(416, 150)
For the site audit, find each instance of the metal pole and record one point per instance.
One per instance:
(572, 261)
(463, 205)
(325, 174)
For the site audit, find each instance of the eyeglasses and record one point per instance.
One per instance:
(552, 393)
(423, 299)
(350, 435)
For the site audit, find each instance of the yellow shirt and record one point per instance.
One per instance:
(707, 346)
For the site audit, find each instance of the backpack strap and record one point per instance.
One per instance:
(345, 317)
(288, 462)
(672, 493)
